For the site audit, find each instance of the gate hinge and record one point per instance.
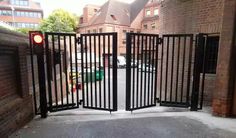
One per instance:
(157, 100)
(78, 40)
(160, 41)
(81, 102)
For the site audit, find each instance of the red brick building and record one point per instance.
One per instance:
(113, 16)
(21, 13)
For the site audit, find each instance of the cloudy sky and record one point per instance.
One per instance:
(73, 6)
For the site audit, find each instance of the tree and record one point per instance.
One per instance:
(59, 21)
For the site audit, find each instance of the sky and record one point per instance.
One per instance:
(73, 6)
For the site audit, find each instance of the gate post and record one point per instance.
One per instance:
(114, 64)
(37, 39)
(128, 70)
(198, 66)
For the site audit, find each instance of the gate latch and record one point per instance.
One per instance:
(160, 41)
(78, 40)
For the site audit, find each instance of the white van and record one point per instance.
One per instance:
(121, 62)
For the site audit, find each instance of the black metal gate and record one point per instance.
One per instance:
(72, 71)
(159, 70)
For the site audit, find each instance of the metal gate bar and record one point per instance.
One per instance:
(94, 45)
(139, 92)
(200, 66)
(32, 53)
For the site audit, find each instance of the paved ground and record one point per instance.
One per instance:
(121, 77)
(163, 123)
(157, 122)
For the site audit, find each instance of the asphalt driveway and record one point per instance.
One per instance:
(151, 127)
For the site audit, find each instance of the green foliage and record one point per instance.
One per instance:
(25, 30)
(59, 21)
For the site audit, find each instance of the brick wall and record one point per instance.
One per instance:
(190, 16)
(16, 106)
(223, 95)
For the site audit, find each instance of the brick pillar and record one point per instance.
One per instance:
(223, 95)
(234, 101)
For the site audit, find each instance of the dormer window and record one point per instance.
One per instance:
(113, 17)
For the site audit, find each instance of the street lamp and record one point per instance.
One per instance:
(13, 16)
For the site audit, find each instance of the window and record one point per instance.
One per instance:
(88, 31)
(26, 14)
(123, 41)
(26, 25)
(19, 2)
(100, 30)
(31, 14)
(22, 14)
(145, 26)
(6, 12)
(212, 54)
(156, 12)
(153, 25)
(94, 31)
(148, 12)
(39, 15)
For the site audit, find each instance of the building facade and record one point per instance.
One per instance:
(113, 16)
(149, 23)
(21, 13)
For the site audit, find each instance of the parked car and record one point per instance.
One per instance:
(121, 62)
(147, 67)
(134, 63)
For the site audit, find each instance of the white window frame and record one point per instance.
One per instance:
(147, 12)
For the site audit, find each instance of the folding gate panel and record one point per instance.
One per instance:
(62, 71)
(141, 72)
(175, 70)
(99, 66)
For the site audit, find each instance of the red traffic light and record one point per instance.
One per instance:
(38, 38)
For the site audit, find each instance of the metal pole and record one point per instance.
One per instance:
(198, 62)
(13, 16)
(128, 72)
(39, 49)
